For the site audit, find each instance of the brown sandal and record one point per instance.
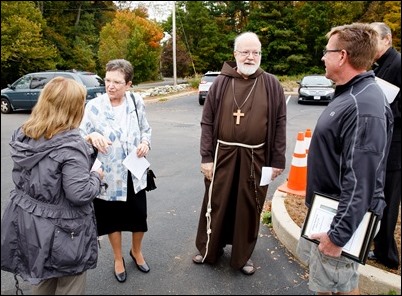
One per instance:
(248, 268)
(198, 259)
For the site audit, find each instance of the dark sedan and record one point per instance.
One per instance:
(315, 89)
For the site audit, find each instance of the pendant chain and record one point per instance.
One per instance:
(234, 98)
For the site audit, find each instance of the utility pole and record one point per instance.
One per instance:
(174, 43)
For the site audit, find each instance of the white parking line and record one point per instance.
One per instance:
(287, 100)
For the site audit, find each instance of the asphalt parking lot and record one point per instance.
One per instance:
(173, 210)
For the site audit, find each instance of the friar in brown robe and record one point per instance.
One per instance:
(243, 129)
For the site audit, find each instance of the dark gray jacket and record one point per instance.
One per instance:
(48, 229)
(348, 153)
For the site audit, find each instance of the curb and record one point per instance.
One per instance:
(372, 281)
(185, 93)
(168, 96)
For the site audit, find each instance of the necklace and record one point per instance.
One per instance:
(238, 113)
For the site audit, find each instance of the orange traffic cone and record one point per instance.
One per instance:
(297, 179)
(307, 139)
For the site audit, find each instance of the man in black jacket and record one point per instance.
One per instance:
(388, 67)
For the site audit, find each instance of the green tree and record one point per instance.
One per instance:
(73, 26)
(23, 47)
(388, 12)
(86, 34)
(313, 21)
(283, 47)
(206, 43)
(231, 16)
(292, 32)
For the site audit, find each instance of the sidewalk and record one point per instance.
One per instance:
(373, 281)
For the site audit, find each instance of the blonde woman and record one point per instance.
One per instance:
(48, 230)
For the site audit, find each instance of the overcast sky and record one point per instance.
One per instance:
(158, 10)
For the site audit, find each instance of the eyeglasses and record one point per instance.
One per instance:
(247, 53)
(324, 52)
(115, 83)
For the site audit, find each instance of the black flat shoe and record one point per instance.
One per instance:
(144, 267)
(121, 277)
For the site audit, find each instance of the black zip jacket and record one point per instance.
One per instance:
(348, 153)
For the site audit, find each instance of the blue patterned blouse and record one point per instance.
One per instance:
(99, 117)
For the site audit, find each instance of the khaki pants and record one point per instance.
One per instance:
(66, 285)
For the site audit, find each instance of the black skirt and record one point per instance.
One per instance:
(130, 215)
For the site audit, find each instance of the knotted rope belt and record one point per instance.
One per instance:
(209, 207)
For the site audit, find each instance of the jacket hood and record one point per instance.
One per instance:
(27, 152)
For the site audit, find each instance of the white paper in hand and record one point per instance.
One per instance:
(136, 165)
(266, 176)
(97, 164)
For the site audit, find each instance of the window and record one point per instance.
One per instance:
(39, 81)
(23, 83)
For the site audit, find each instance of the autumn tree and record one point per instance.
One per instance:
(42, 35)
(73, 27)
(184, 65)
(388, 12)
(135, 39)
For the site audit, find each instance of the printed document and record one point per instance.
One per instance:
(136, 165)
(320, 217)
(322, 220)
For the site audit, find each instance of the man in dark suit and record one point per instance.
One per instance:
(388, 67)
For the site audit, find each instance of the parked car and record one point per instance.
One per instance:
(205, 83)
(24, 93)
(315, 89)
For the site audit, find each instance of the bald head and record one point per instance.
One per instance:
(245, 38)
